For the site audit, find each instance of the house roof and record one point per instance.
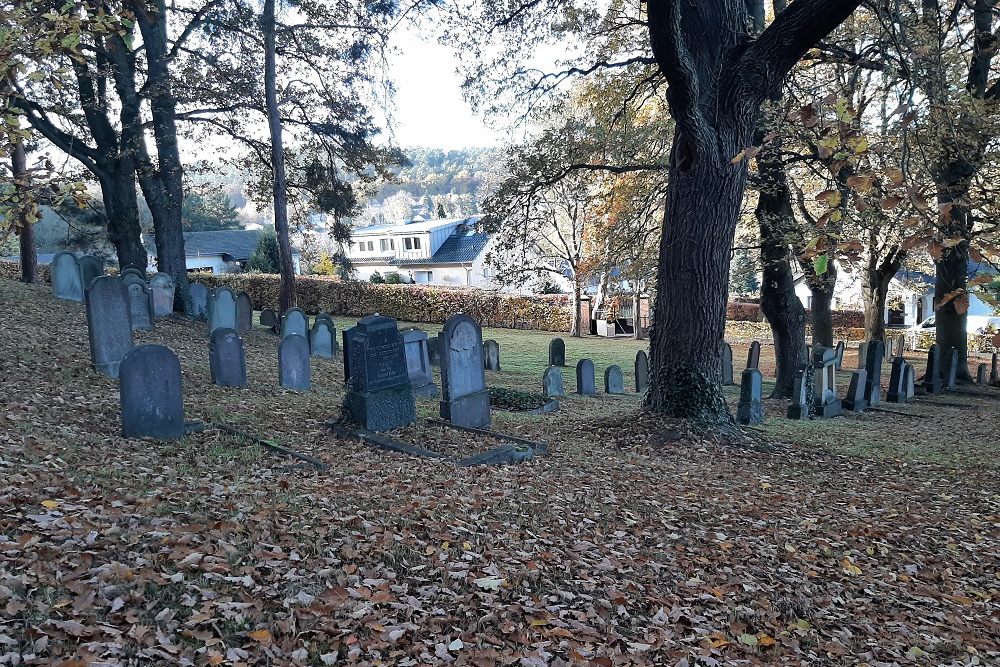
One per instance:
(457, 249)
(231, 244)
(413, 226)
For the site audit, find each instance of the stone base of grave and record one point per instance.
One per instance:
(859, 405)
(108, 369)
(798, 412)
(893, 397)
(832, 409)
(750, 414)
(382, 410)
(472, 410)
(429, 390)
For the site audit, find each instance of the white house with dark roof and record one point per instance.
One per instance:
(222, 251)
(447, 252)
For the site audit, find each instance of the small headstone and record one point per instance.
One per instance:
(727, 365)
(379, 395)
(801, 393)
(133, 277)
(197, 301)
(323, 339)
(268, 318)
(91, 267)
(465, 399)
(326, 317)
(825, 400)
(152, 403)
(873, 365)
(244, 312)
(491, 355)
(840, 355)
(109, 324)
(932, 375)
(951, 376)
(614, 380)
(750, 410)
(67, 279)
(641, 372)
(294, 321)
(293, 363)
(140, 303)
(132, 271)
(434, 350)
(418, 363)
(162, 287)
(557, 352)
(897, 386)
(227, 359)
(586, 385)
(221, 309)
(982, 374)
(753, 356)
(910, 381)
(552, 382)
(855, 399)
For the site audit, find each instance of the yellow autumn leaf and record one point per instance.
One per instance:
(50, 504)
(262, 636)
(766, 640)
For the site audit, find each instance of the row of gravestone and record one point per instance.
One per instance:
(586, 384)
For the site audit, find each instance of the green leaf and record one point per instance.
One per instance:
(820, 264)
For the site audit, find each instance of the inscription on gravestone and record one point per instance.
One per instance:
(109, 324)
(140, 303)
(221, 309)
(152, 403)
(465, 399)
(227, 359)
(379, 395)
(162, 287)
(614, 380)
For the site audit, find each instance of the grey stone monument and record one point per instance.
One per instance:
(418, 363)
(750, 410)
(109, 324)
(982, 374)
(932, 375)
(379, 396)
(244, 312)
(855, 399)
(221, 309)
(491, 354)
(552, 382)
(91, 267)
(269, 319)
(323, 339)
(293, 363)
(801, 404)
(140, 303)
(67, 279)
(995, 368)
(434, 350)
(897, 386)
(162, 287)
(133, 277)
(727, 365)
(901, 345)
(227, 359)
(614, 380)
(873, 365)
(132, 271)
(753, 356)
(586, 384)
(825, 400)
(840, 355)
(465, 399)
(641, 372)
(294, 321)
(910, 381)
(951, 375)
(152, 403)
(557, 352)
(197, 304)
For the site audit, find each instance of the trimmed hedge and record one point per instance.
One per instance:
(739, 311)
(12, 271)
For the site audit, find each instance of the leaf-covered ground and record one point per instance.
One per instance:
(863, 540)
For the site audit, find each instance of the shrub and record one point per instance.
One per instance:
(393, 279)
(376, 279)
(265, 257)
(743, 312)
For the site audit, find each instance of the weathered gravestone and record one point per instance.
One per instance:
(863, 355)
(491, 355)
(753, 356)
(221, 309)
(293, 363)
(197, 302)
(152, 403)
(557, 352)
(586, 384)
(727, 365)
(465, 400)
(932, 375)
(67, 279)
(995, 368)
(140, 304)
(162, 287)
(750, 410)
(951, 370)
(133, 277)
(801, 404)
(269, 319)
(434, 350)
(244, 312)
(614, 380)
(294, 321)
(326, 317)
(91, 267)
(132, 271)
(982, 374)
(910, 381)
(840, 355)
(418, 363)
(109, 324)
(552, 382)
(826, 403)
(873, 366)
(855, 399)
(901, 345)
(897, 382)
(379, 396)
(641, 372)
(323, 339)
(227, 359)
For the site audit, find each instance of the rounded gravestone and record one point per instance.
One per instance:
(152, 403)
(641, 371)
(585, 382)
(557, 352)
(322, 339)
(134, 272)
(614, 380)
(244, 312)
(465, 399)
(67, 280)
(197, 301)
(140, 303)
(491, 354)
(293, 362)
(268, 318)
(162, 287)
(221, 309)
(552, 382)
(294, 322)
(91, 267)
(109, 324)
(227, 359)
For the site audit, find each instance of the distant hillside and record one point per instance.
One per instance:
(436, 172)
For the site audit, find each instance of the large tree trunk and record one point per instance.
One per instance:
(822, 288)
(952, 269)
(576, 328)
(875, 287)
(118, 192)
(637, 333)
(286, 298)
(23, 228)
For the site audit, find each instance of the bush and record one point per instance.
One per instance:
(393, 279)
(376, 279)
(743, 312)
(265, 258)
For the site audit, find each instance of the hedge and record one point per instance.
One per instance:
(737, 311)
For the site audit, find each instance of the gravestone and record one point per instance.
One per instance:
(982, 374)
(91, 267)
(109, 324)
(932, 374)
(269, 319)
(132, 271)
(801, 393)
(557, 352)
(863, 355)
(901, 345)
(614, 380)
(641, 372)
(133, 277)
(152, 403)
(293, 363)
(753, 357)
(434, 350)
(66, 277)
(873, 365)
(910, 381)
(418, 363)
(140, 303)
(226, 358)
(995, 368)
(897, 386)
(586, 385)
(379, 396)
(294, 321)
(855, 399)
(465, 399)
(326, 317)
(162, 287)
(552, 382)
(750, 411)
(826, 403)
(221, 309)
(197, 304)
(951, 374)
(244, 312)
(840, 355)
(727, 365)
(323, 339)
(491, 355)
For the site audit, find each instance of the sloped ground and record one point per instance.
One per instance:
(635, 542)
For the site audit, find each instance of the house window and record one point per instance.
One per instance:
(423, 276)
(387, 244)
(371, 246)
(411, 243)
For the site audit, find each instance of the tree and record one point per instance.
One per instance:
(209, 211)
(743, 274)
(440, 211)
(266, 257)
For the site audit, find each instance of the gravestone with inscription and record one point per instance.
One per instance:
(197, 303)
(379, 395)
(66, 277)
(140, 303)
(227, 359)
(552, 382)
(465, 399)
(641, 372)
(801, 405)
(750, 410)
(109, 324)
(826, 403)
(418, 363)
(323, 339)
(152, 402)
(244, 312)
(162, 287)
(932, 375)
(293, 363)
(727, 365)
(91, 267)
(221, 309)
(873, 366)
(294, 321)
(491, 354)
(753, 356)
(614, 380)
(557, 352)
(855, 399)
(897, 387)
(586, 384)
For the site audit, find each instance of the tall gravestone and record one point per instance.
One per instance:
(801, 404)
(910, 381)
(863, 355)
(152, 402)
(379, 396)
(293, 363)
(753, 356)
(294, 321)
(221, 309)
(491, 355)
(586, 384)
(66, 277)
(641, 372)
(982, 374)
(244, 312)
(109, 324)
(614, 380)
(140, 303)
(197, 303)
(826, 403)
(91, 267)
(750, 411)
(727, 365)
(855, 399)
(995, 368)
(557, 352)
(323, 339)
(227, 359)
(951, 370)
(465, 399)
(901, 345)
(873, 366)
(552, 382)
(162, 287)
(932, 375)
(840, 355)
(418, 363)
(897, 386)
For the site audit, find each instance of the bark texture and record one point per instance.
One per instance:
(25, 232)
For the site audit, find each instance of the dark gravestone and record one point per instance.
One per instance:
(825, 400)
(133, 277)
(932, 375)
(982, 374)
(873, 365)
(614, 380)
(465, 400)
(162, 287)
(227, 359)
(109, 324)
(67, 279)
(197, 304)
(491, 355)
(750, 410)
(293, 363)
(753, 356)
(910, 381)
(269, 318)
(897, 386)
(586, 384)
(244, 312)
(557, 352)
(840, 355)
(995, 368)
(855, 399)
(951, 370)
(726, 375)
(641, 372)
(132, 271)
(221, 309)
(152, 404)
(323, 339)
(418, 363)
(379, 395)
(294, 321)
(91, 267)
(801, 393)
(140, 303)
(434, 350)
(552, 382)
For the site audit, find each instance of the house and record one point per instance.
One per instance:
(447, 252)
(223, 251)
